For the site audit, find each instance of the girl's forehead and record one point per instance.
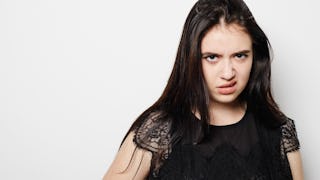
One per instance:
(226, 39)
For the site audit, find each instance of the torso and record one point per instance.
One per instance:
(230, 152)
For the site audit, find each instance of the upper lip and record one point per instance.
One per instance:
(227, 85)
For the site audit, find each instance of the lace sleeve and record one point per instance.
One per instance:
(153, 135)
(289, 140)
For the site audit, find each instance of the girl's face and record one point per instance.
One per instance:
(226, 62)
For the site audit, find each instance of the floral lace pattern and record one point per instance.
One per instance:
(289, 139)
(153, 135)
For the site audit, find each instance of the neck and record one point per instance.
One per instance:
(224, 114)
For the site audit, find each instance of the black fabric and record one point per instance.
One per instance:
(245, 150)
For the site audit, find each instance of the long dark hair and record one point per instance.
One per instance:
(186, 89)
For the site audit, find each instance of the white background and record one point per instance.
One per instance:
(74, 75)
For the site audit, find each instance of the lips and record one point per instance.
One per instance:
(226, 89)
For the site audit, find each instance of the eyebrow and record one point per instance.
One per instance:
(238, 52)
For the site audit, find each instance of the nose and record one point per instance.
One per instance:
(228, 71)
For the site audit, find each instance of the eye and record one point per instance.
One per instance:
(211, 58)
(241, 56)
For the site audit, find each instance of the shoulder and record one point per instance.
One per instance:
(143, 150)
(154, 135)
(154, 132)
(289, 136)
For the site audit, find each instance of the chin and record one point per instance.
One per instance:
(225, 99)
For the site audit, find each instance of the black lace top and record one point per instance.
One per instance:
(232, 152)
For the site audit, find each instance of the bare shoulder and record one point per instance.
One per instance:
(131, 162)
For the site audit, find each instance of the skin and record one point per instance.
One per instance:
(226, 57)
(295, 162)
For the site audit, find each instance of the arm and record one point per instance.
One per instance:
(295, 163)
(130, 162)
(290, 147)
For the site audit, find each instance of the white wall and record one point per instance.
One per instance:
(75, 74)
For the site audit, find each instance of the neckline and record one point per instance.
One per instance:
(227, 125)
(232, 124)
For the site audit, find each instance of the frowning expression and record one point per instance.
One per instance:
(226, 61)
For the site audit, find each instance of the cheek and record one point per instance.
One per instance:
(245, 72)
(209, 73)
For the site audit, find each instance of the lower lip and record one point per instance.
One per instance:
(227, 90)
